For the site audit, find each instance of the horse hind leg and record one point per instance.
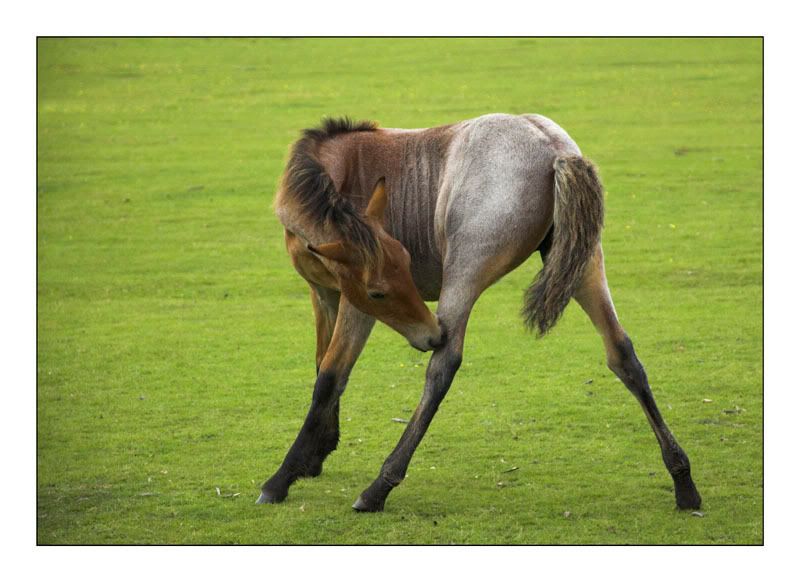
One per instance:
(594, 297)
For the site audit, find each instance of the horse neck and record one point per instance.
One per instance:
(412, 162)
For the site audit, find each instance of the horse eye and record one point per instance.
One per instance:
(377, 295)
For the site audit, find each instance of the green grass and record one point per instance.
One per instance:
(175, 341)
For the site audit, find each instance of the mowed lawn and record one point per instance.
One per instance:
(176, 344)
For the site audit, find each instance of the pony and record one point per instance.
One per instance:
(378, 221)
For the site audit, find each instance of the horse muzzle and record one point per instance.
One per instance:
(430, 339)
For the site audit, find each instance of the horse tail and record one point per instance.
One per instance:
(577, 222)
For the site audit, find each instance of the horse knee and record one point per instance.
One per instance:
(325, 387)
(330, 385)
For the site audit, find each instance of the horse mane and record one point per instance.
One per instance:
(307, 181)
(333, 126)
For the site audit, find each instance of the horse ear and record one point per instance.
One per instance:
(378, 201)
(336, 251)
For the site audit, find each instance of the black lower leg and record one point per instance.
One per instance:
(441, 370)
(318, 437)
(629, 369)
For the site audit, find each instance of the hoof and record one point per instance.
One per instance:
(363, 507)
(268, 497)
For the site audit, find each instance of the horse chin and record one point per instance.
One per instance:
(426, 348)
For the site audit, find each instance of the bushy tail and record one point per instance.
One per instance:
(577, 222)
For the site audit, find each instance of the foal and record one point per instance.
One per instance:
(379, 220)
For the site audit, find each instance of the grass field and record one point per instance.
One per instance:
(175, 341)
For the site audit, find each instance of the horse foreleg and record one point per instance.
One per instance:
(595, 299)
(442, 368)
(319, 434)
(326, 308)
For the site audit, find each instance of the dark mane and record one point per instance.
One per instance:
(333, 126)
(307, 181)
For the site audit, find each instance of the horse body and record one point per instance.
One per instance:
(469, 202)
(483, 185)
